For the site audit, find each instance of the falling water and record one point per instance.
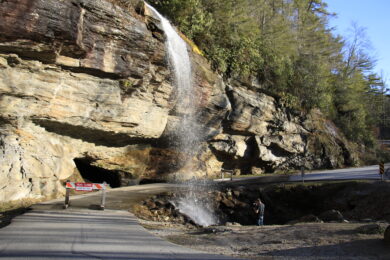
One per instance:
(187, 137)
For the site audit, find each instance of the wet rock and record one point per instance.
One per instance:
(228, 203)
(160, 203)
(218, 196)
(150, 204)
(331, 215)
(236, 193)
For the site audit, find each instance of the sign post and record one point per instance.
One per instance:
(66, 205)
(381, 169)
(103, 196)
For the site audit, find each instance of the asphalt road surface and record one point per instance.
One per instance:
(80, 232)
(50, 232)
(363, 173)
(387, 142)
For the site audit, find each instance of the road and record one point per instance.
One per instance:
(50, 232)
(79, 232)
(363, 173)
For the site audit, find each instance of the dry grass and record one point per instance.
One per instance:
(9, 210)
(17, 204)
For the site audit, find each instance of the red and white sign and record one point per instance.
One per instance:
(79, 186)
(99, 186)
(83, 186)
(70, 185)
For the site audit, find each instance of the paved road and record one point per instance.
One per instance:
(363, 173)
(49, 232)
(387, 142)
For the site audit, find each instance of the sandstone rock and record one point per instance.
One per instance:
(276, 138)
(251, 112)
(87, 81)
(256, 171)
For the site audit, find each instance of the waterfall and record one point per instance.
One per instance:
(187, 133)
(187, 137)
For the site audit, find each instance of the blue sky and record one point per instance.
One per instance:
(374, 16)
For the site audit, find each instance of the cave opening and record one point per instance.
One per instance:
(91, 173)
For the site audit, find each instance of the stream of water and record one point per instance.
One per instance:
(187, 136)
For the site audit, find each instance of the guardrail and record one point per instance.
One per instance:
(229, 172)
(386, 142)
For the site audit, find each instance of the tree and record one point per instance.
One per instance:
(289, 47)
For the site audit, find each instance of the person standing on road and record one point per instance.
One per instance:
(259, 210)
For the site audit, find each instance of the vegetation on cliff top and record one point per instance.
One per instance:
(288, 46)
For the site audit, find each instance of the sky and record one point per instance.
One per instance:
(374, 16)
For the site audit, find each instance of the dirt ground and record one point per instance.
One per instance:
(299, 241)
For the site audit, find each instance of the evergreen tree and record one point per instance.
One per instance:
(289, 47)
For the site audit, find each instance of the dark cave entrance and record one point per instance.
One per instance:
(96, 174)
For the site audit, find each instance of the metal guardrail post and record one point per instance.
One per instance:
(382, 170)
(303, 174)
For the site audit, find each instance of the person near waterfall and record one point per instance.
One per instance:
(259, 207)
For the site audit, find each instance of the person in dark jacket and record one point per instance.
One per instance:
(259, 210)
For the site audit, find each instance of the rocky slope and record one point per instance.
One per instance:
(285, 204)
(263, 133)
(85, 87)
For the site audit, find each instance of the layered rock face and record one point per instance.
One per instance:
(85, 80)
(85, 87)
(262, 134)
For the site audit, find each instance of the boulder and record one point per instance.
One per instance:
(256, 170)
(331, 215)
(370, 229)
(228, 203)
(234, 146)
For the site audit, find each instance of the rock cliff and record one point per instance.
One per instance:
(85, 87)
